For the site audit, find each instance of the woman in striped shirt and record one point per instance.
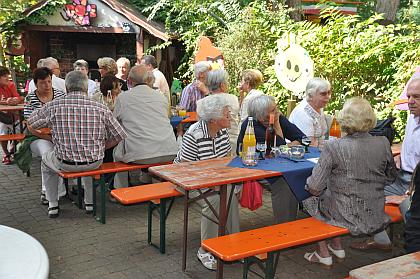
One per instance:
(208, 139)
(36, 99)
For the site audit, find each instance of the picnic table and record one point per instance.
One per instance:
(207, 174)
(19, 109)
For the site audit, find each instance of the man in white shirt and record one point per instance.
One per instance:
(52, 64)
(83, 66)
(160, 81)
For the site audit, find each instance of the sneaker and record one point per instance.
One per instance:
(207, 260)
(89, 208)
(6, 160)
(53, 212)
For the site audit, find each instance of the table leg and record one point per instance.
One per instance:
(185, 231)
(222, 224)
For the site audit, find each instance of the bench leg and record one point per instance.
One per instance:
(79, 193)
(162, 226)
(103, 199)
(150, 209)
(269, 266)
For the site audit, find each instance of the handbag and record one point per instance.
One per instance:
(385, 128)
(251, 195)
(6, 118)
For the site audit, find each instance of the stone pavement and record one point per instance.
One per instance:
(80, 247)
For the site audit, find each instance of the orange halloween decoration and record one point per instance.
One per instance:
(208, 52)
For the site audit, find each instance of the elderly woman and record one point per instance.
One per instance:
(309, 115)
(348, 181)
(123, 65)
(83, 66)
(110, 89)
(107, 65)
(44, 93)
(251, 80)
(283, 201)
(208, 139)
(217, 81)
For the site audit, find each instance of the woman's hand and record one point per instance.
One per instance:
(277, 126)
(395, 199)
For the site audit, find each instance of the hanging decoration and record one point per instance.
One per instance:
(80, 12)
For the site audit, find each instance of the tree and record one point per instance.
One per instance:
(295, 14)
(389, 8)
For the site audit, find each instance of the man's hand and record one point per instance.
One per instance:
(12, 101)
(395, 199)
(203, 88)
(397, 160)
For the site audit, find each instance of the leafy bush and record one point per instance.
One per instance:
(359, 57)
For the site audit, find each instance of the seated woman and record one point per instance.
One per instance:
(208, 139)
(251, 80)
(43, 94)
(217, 81)
(283, 201)
(109, 90)
(308, 115)
(348, 181)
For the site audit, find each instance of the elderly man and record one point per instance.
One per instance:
(160, 81)
(81, 131)
(52, 64)
(143, 114)
(197, 89)
(406, 162)
(83, 66)
(123, 65)
(8, 96)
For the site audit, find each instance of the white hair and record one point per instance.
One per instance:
(125, 61)
(50, 62)
(201, 67)
(258, 106)
(215, 78)
(315, 86)
(211, 107)
(76, 81)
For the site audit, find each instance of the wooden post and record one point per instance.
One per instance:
(291, 103)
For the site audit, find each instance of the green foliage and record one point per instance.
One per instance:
(359, 57)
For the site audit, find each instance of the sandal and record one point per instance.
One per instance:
(53, 212)
(88, 208)
(315, 258)
(339, 253)
(6, 160)
(207, 260)
(44, 200)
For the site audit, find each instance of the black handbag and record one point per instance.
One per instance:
(6, 118)
(385, 128)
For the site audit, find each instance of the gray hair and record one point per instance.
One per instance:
(139, 75)
(211, 107)
(50, 62)
(150, 60)
(81, 63)
(201, 67)
(109, 64)
(125, 61)
(40, 63)
(315, 86)
(215, 78)
(76, 81)
(258, 106)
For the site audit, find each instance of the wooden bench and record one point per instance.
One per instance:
(12, 137)
(98, 175)
(157, 195)
(249, 245)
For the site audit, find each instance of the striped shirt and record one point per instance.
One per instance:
(34, 103)
(80, 127)
(197, 144)
(190, 95)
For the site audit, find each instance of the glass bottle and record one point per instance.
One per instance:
(248, 144)
(335, 129)
(269, 136)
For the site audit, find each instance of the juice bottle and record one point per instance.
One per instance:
(249, 141)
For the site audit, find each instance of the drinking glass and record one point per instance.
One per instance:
(249, 158)
(261, 147)
(306, 141)
(297, 151)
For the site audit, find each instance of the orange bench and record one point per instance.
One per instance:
(12, 137)
(157, 195)
(98, 174)
(249, 244)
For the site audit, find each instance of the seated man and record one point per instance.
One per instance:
(283, 201)
(8, 96)
(81, 131)
(143, 114)
(406, 162)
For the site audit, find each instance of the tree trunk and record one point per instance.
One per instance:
(296, 14)
(389, 8)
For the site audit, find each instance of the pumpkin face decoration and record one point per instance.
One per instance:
(208, 52)
(293, 66)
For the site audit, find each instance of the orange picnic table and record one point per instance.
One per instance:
(192, 117)
(207, 174)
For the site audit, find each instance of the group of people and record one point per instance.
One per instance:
(125, 118)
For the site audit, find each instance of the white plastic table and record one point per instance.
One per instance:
(21, 255)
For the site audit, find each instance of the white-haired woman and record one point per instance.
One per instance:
(348, 181)
(208, 139)
(123, 66)
(308, 115)
(108, 66)
(217, 82)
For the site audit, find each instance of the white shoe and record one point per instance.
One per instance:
(318, 259)
(207, 260)
(341, 254)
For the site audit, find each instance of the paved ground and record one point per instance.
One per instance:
(80, 247)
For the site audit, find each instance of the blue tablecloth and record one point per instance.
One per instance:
(175, 120)
(295, 172)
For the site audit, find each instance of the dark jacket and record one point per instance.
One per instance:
(412, 226)
(290, 132)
